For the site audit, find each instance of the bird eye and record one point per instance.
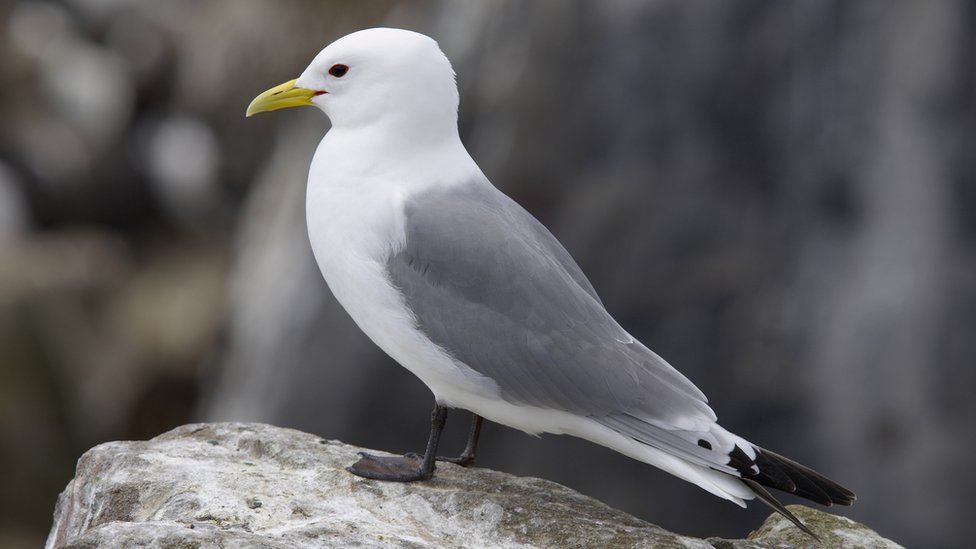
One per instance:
(338, 70)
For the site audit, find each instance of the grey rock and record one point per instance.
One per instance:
(254, 485)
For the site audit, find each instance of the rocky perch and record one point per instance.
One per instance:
(258, 486)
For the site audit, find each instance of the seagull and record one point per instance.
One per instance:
(467, 290)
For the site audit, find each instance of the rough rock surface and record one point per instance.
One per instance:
(254, 485)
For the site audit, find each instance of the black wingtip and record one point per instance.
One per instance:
(808, 483)
(772, 470)
(775, 505)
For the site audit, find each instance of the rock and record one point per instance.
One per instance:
(835, 531)
(254, 485)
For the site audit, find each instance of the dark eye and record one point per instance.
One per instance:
(338, 70)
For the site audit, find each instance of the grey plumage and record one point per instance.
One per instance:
(490, 284)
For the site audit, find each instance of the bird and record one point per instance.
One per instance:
(468, 291)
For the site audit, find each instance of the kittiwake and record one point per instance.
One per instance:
(464, 288)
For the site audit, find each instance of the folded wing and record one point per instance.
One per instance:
(489, 284)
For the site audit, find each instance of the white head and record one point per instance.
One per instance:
(390, 77)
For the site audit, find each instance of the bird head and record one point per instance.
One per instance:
(373, 76)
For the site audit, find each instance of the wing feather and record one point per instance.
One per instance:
(490, 285)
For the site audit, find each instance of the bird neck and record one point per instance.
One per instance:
(349, 156)
(399, 137)
(408, 116)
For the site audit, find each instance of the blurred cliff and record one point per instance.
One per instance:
(778, 197)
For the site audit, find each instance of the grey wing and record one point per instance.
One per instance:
(490, 285)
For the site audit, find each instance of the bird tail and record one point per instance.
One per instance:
(772, 470)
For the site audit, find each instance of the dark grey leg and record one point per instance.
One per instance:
(467, 457)
(406, 468)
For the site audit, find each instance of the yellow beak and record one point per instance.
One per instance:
(281, 96)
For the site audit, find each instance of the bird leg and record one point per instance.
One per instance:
(407, 468)
(467, 457)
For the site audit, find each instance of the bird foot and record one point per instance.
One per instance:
(464, 460)
(408, 468)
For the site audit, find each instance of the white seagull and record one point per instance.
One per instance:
(464, 288)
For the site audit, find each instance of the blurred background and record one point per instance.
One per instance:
(778, 197)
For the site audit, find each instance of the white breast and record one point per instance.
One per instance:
(355, 220)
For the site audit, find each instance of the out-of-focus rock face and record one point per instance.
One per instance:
(254, 485)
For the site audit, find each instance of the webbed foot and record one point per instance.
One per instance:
(408, 468)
